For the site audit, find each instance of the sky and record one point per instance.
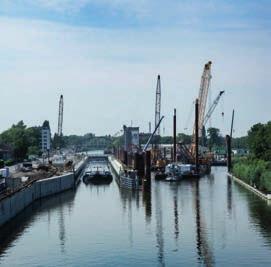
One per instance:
(104, 57)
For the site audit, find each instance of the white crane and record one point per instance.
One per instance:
(203, 93)
(212, 108)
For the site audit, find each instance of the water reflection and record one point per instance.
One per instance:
(229, 195)
(147, 202)
(10, 232)
(259, 212)
(204, 250)
(159, 227)
(191, 223)
(176, 218)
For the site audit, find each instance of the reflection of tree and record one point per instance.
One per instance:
(259, 211)
(16, 227)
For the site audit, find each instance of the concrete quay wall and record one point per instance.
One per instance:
(15, 203)
(115, 164)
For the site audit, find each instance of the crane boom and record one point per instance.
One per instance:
(203, 93)
(212, 108)
(150, 138)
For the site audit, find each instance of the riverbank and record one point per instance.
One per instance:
(251, 188)
(13, 204)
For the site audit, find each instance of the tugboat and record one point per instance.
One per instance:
(98, 175)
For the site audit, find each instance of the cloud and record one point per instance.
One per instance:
(106, 74)
(204, 15)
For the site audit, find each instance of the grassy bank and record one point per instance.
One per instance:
(254, 172)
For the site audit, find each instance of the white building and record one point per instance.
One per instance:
(45, 139)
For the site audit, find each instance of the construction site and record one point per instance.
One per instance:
(179, 159)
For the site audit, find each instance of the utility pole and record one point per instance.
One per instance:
(232, 120)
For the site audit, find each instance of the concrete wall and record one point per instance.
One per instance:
(116, 165)
(80, 166)
(11, 206)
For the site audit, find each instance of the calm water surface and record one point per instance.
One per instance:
(210, 222)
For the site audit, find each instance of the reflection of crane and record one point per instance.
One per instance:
(60, 116)
(212, 108)
(158, 104)
(159, 228)
(205, 251)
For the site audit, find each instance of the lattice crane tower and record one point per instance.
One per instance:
(158, 104)
(60, 116)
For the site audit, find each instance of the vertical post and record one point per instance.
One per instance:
(174, 136)
(147, 172)
(125, 157)
(232, 120)
(229, 162)
(197, 135)
(48, 155)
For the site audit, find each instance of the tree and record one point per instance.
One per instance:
(23, 141)
(259, 140)
(184, 138)
(214, 137)
(16, 137)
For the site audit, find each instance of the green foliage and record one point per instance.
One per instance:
(240, 142)
(254, 172)
(214, 137)
(2, 163)
(9, 162)
(184, 138)
(259, 140)
(20, 138)
(33, 150)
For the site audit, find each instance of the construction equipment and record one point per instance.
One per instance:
(203, 93)
(212, 108)
(60, 116)
(150, 138)
(158, 104)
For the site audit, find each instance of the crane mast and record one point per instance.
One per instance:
(60, 116)
(203, 93)
(158, 105)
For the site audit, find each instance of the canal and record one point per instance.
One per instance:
(206, 222)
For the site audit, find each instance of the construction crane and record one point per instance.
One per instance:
(203, 93)
(60, 116)
(212, 108)
(158, 104)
